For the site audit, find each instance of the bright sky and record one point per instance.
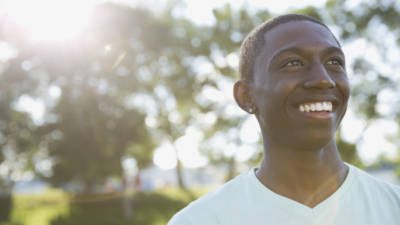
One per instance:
(49, 20)
(73, 15)
(201, 11)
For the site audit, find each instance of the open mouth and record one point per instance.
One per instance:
(317, 109)
(324, 106)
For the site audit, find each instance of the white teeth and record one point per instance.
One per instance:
(327, 105)
(316, 107)
(319, 106)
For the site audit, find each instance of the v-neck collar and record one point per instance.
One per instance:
(293, 206)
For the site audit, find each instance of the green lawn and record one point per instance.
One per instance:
(38, 209)
(53, 208)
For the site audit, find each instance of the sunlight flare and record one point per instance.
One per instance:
(48, 20)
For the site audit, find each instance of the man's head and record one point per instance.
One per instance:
(293, 78)
(255, 41)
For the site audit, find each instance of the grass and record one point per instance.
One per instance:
(52, 206)
(38, 209)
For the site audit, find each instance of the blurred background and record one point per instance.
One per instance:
(121, 112)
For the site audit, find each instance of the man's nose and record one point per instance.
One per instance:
(319, 78)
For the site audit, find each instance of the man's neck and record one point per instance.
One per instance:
(308, 177)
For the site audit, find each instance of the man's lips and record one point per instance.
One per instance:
(318, 115)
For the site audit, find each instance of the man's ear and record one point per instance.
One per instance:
(241, 92)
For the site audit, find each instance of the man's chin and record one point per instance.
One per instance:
(312, 142)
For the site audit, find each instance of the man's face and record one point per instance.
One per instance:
(300, 85)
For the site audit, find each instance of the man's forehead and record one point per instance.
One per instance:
(297, 35)
(294, 30)
(304, 49)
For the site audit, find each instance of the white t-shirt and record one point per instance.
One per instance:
(360, 200)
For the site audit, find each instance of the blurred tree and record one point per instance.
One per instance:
(351, 23)
(373, 27)
(17, 138)
(223, 40)
(219, 50)
(95, 125)
(90, 137)
(134, 80)
(89, 124)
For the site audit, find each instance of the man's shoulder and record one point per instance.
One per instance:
(375, 185)
(218, 197)
(206, 209)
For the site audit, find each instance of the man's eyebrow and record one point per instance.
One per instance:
(297, 50)
(331, 50)
(275, 55)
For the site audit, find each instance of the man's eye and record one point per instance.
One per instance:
(335, 62)
(294, 62)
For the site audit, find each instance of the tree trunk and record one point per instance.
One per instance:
(231, 168)
(179, 171)
(6, 202)
(179, 174)
(127, 198)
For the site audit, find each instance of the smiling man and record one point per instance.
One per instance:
(293, 79)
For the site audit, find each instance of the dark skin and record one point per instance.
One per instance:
(301, 63)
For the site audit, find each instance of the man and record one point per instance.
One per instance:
(293, 79)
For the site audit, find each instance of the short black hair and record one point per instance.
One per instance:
(255, 40)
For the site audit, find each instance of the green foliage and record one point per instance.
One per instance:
(55, 207)
(348, 152)
(92, 129)
(148, 209)
(93, 125)
(310, 11)
(374, 22)
(128, 54)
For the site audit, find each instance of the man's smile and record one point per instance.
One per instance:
(325, 106)
(317, 107)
